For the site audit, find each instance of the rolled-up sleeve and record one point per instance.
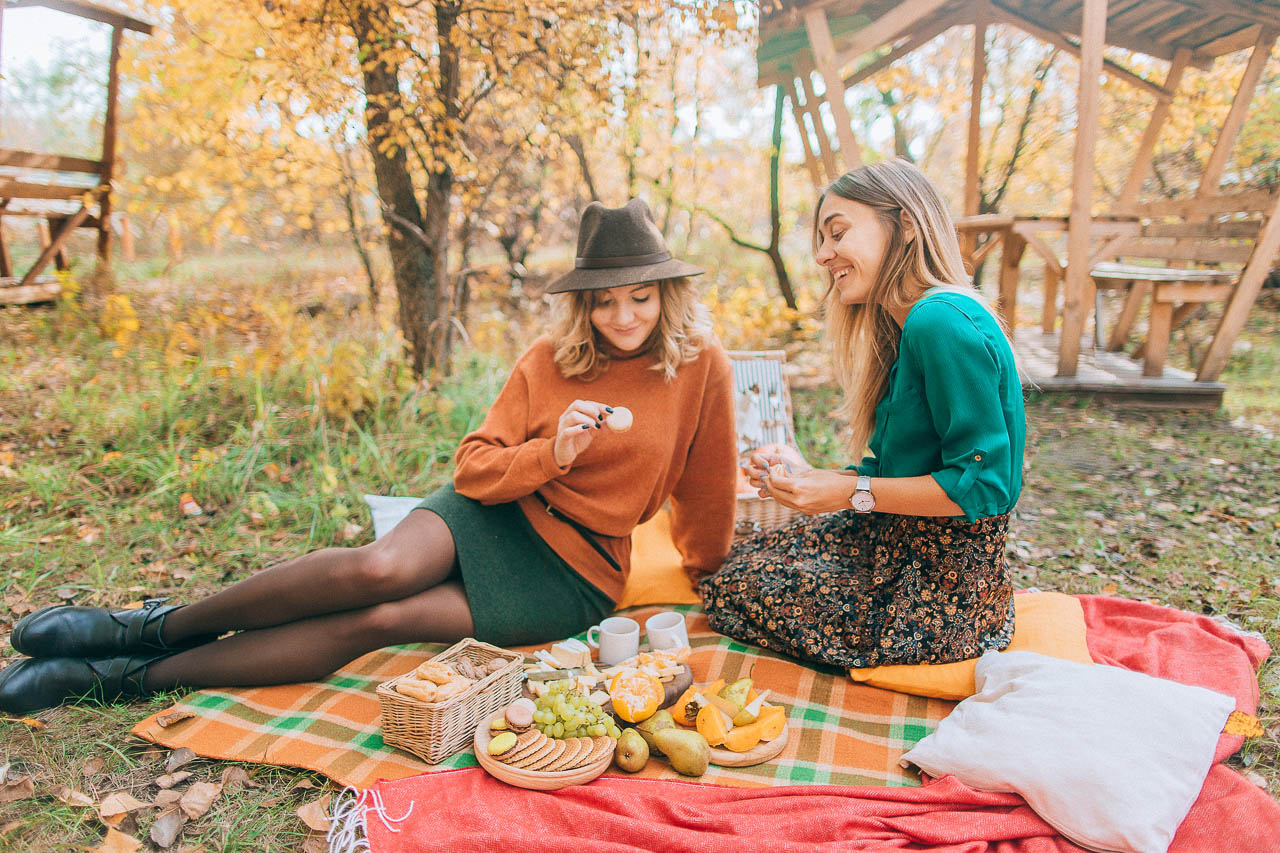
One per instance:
(961, 376)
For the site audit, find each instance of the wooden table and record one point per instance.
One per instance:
(1014, 233)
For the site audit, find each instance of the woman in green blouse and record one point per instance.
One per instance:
(902, 557)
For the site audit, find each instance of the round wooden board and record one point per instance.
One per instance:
(758, 754)
(535, 780)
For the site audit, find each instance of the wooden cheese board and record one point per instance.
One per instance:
(758, 754)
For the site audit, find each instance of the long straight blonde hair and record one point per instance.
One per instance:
(684, 329)
(864, 338)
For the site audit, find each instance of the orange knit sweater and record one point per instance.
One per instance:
(682, 446)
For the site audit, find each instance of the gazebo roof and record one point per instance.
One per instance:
(88, 10)
(1208, 28)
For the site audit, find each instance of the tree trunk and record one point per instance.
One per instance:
(440, 181)
(775, 207)
(414, 258)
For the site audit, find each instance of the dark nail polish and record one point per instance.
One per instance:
(609, 409)
(599, 427)
(587, 426)
(600, 416)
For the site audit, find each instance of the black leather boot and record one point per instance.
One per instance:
(33, 684)
(64, 631)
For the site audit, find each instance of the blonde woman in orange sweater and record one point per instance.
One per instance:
(530, 543)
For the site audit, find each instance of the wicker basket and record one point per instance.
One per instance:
(435, 730)
(757, 514)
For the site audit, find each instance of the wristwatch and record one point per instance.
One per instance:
(862, 499)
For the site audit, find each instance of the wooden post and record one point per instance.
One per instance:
(56, 242)
(810, 159)
(1246, 292)
(1145, 158)
(971, 194)
(1235, 117)
(109, 147)
(1093, 31)
(1049, 311)
(1010, 257)
(824, 55)
(811, 106)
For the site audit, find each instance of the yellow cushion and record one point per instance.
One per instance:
(1049, 623)
(657, 576)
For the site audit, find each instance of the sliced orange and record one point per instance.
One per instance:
(636, 695)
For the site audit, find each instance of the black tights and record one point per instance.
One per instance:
(303, 619)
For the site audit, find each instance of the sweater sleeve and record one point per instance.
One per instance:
(499, 462)
(703, 501)
(961, 377)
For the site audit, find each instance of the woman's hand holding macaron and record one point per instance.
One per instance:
(579, 425)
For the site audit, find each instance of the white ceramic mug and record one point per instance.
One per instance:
(666, 630)
(617, 639)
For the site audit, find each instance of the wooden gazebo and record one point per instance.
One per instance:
(837, 44)
(68, 192)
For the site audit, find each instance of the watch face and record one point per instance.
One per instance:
(863, 501)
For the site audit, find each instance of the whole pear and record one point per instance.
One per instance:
(650, 727)
(687, 750)
(632, 751)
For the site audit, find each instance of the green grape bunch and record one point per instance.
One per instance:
(564, 712)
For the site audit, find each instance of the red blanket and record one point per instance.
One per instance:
(468, 810)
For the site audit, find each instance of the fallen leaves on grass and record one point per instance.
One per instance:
(315, 814)
(72, 797)
(168, 780)
(182, 755)
(118, 842)
(93, 766)
(168, 825)
(198, 798)
(114, 808)
(30, 722)
(234, 777)
(19, 789)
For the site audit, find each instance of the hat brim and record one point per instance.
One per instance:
(602, 279)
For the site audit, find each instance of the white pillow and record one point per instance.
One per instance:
(1110, 758)
(388, 512)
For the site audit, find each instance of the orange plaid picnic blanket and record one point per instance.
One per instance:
(839, 732)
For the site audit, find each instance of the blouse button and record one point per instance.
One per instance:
(977, 457)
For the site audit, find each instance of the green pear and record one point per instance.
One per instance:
(650, 727)
(687, 750)
(632, 751)
(737, 693)
(751, 711)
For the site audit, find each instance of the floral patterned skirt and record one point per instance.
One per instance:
(859, 590)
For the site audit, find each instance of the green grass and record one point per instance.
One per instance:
(226, 391)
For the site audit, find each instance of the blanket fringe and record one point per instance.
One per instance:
(351, 810)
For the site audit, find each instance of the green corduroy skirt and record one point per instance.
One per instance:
(520, 591)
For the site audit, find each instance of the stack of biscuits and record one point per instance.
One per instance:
(533, 750)
(516, 743)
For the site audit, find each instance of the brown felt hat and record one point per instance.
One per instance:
(618, 246)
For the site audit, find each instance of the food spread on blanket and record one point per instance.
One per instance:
(434, 681)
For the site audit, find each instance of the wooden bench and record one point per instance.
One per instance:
(1187, 254)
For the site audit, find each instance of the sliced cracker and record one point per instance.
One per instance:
(572, 750)
(535, 756)
(550, 758)
(525, 743)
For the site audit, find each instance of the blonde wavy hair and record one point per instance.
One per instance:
(864, 338)
(683, 330)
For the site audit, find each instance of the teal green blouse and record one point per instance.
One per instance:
(954, 407)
